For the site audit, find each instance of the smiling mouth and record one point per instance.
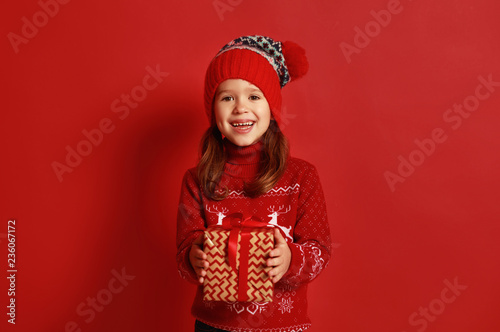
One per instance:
(242, 124)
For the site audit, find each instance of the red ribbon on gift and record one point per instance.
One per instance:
(240, 225)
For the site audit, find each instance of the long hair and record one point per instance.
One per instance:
(272, 165)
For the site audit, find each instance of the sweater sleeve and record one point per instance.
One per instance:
(190, 224)
(311, 248)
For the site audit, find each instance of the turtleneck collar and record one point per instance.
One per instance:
(242, 161)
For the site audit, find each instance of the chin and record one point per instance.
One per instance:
(242, 142)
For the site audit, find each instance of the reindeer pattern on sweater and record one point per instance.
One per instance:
(296, 206)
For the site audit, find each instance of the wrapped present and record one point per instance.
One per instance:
(237, 252)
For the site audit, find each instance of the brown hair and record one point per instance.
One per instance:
(275, 153)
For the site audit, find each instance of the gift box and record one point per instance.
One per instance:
(237, 253)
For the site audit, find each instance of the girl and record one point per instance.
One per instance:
(245, 167)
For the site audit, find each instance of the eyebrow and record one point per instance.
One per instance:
(255, 90)
(221, 92)
(230, 91)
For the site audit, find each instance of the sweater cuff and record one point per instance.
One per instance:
(296, 262)
(187, 270)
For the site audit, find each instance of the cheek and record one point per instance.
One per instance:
(218, 115)
(265, 122)
(268, 122)
(266, 115)
(219, 119)
(219, 124)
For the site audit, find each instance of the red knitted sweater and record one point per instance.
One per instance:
(295, 204)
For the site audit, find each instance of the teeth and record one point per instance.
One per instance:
(242, 124)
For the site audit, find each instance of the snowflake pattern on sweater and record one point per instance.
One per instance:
(295, 204)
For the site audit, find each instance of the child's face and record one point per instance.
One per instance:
(239, 101)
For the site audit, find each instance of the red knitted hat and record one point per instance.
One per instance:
(266, 63)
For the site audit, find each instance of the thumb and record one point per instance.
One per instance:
(278, 237)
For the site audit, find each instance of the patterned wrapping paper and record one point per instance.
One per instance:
(223, 282)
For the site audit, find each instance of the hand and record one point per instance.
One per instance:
(198, 259)
(280, 257)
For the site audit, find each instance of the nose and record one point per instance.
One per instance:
(240, 106)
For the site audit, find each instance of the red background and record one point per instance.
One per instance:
(116, 209)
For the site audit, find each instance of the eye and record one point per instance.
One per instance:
(254, 97)
(227, 98)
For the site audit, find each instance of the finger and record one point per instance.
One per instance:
(272, 273)
(275, 261)
(201, 263)
(200, 273)
(275, 252)
(277, 278)
(199, 254)
(278, 238)
(275, 273)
